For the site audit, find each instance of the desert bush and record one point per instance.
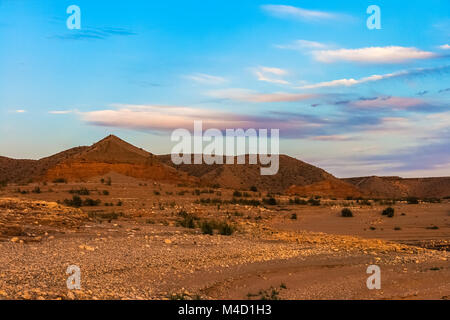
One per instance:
(245, 202)
(60, 180)
(388, 212)
(270, 201)
(346, 213)
(105, 192)
(74, 202)
(36, 190)
(314, 202)
(81, 192)
(432, 200)
(365, 202)
(207, 227)
(156, 193)
(105, 215)
(88, 202)
(297, 200)
(294, 216)
(237, 194)
(119, 203)
(253, 189)
(412, 200)
(188, 221)
(225, 229)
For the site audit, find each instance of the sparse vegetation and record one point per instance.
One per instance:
(314, 202)
(77, 202)
(269, 294)
(388, 212)
(294, 216)
(36, 190)
(298, 201)
(346, 213)
(60, 180)
(237, 194)
(207, 227)
(225, 229)
(412, 200)
(270, 201)
(82, 191)
(188, 220)
(98, 215)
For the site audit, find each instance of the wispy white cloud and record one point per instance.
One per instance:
(166, 118)
(284, 11)
(391, 54)
(335, 137)
(389, 102)
(302, 45)
(348, 82)
(60, 111)
(20, 111)
(445, 47)
(245, 95)
(270, 74)
(206, 78)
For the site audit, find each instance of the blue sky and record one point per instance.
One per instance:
(351, 100)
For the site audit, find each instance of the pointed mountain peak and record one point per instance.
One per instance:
(114, 149)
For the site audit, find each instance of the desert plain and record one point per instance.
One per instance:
(139, 228)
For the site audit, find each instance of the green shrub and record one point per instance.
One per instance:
(237, 194)
(270, 201)
(91, 202)
(105, 192)
(412, 200)
(75, 202)
(81, 192)
(254, 189)
(188, 221)
(346, 213)
(314, 202)
(36, 190)
(294, 216)
(388, 212)
(60, 180)
(207, 227)
(225, 229)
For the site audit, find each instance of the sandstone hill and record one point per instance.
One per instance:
(293, 175)
(397, 187)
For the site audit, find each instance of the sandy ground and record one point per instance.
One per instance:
(144, 253)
